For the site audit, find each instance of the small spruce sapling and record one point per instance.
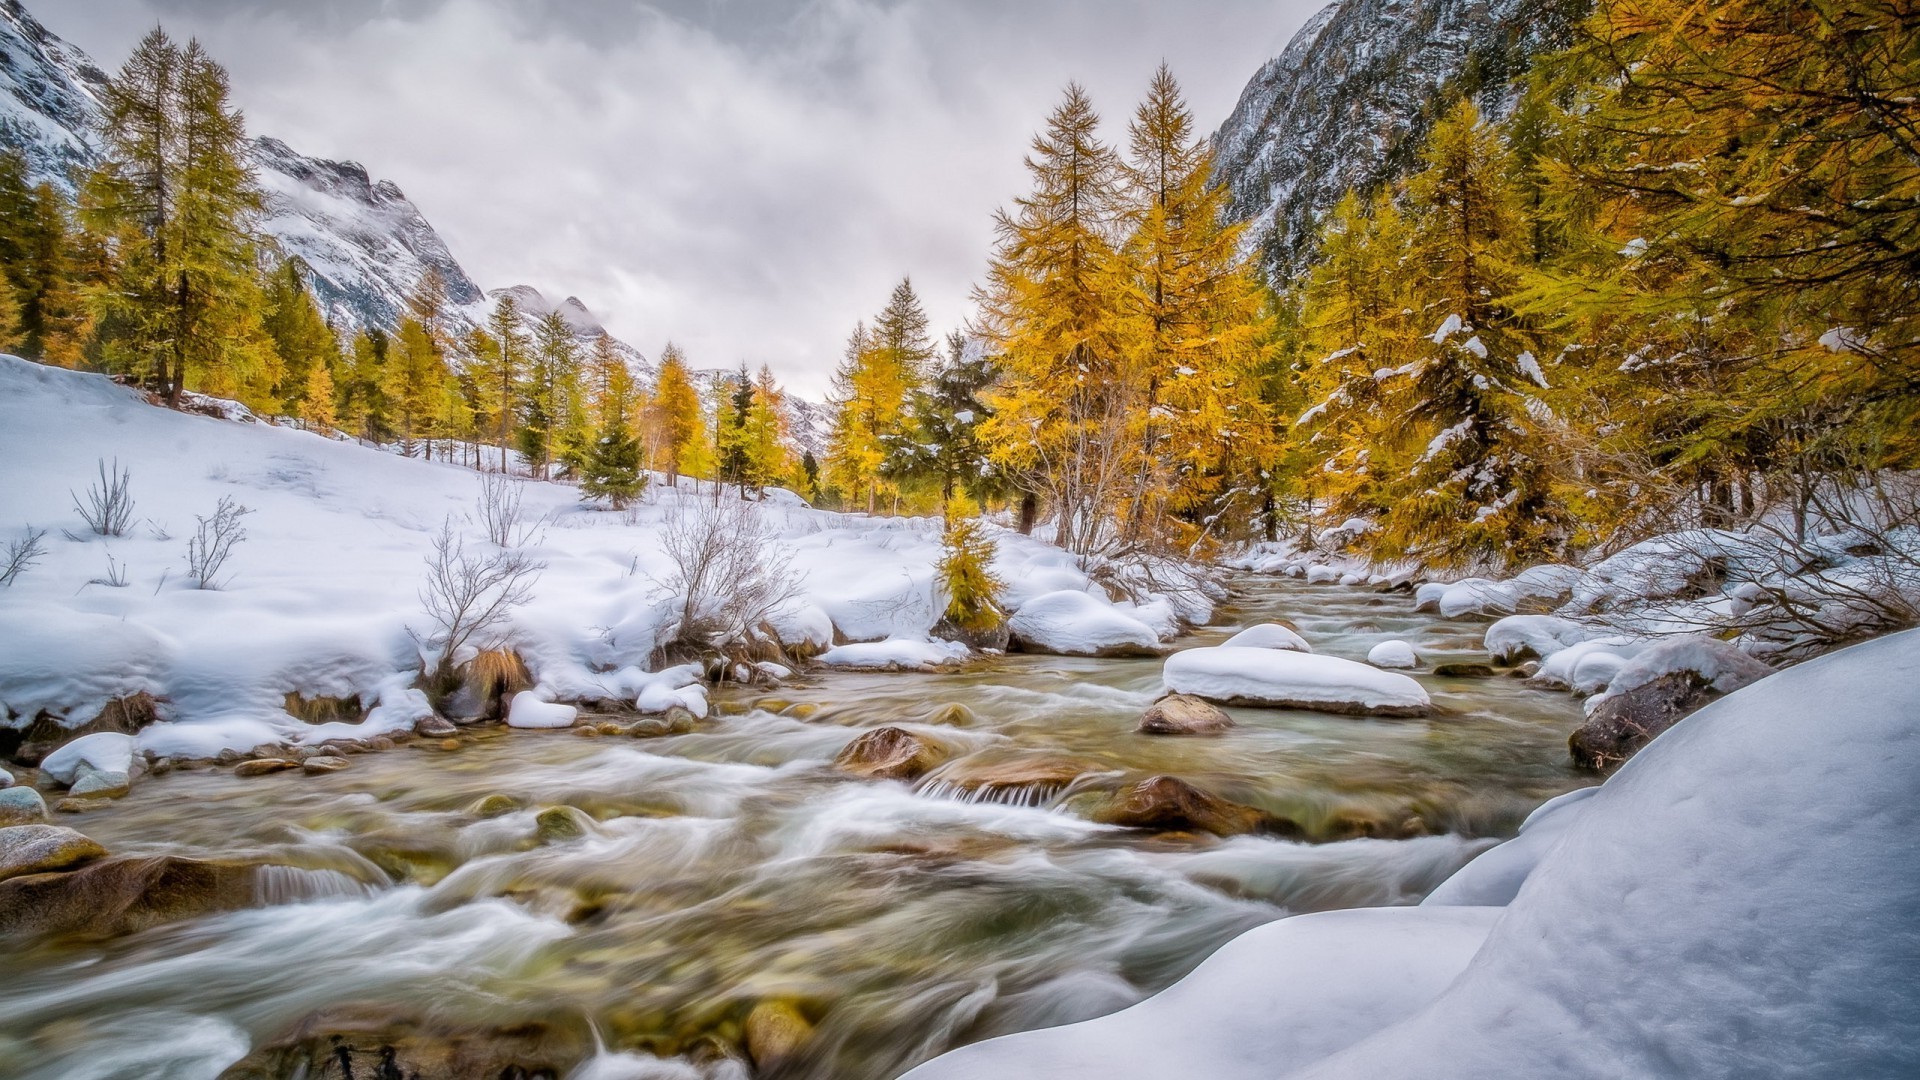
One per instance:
(973, 590)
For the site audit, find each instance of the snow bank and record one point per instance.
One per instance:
(1268, 636)
(1738, 900)
(1518, 636)
(1280, 678)
(1073, 623)
(322, 597)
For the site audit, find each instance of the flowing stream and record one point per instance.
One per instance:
(701, 874)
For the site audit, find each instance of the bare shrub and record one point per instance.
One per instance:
(213, 541)
(116, 577)
(730, 571)
(21, 555)
(108, 507)
(500, 513)
(469, 596)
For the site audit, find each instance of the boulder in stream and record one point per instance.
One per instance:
(1168, 803)
(1270, 635)
(889, 753)
(42, 849)
(1183, 714)
(776, 1031)
(1072, 623)
(114, 896)
(21, 806)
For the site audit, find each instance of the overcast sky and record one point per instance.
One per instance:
(747, 178)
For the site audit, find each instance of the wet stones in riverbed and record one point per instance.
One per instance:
(324, 763)
(264, 766)
(1168, 803)
(113, 896)
(1464, 671)
(379, 1040)
(434, 727)
(776, 1031)
(889, 753)
(557, 824)
(42, 849)
(493, 806)
(1183, 714)
(21, 806)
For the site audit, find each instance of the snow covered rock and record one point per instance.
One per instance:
(675, 687)
(1268, 636)
(1070, 623)
(1393, 654)
(106, 752)
(1320, 574)
(1477, 596)
(528, 711)
(1654, 690)
(1517, 637)
(895, 654)
(1277, 678)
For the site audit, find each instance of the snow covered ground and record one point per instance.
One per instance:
(1738, 900)
(322, 598)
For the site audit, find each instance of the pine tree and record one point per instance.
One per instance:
(1052, 311)
(177, 196)
(300, 335)
(549, 396)
(944, 446)
(316, 399)
(500, 359)
(37, 266)
(1194, 328)
(674, 421)
(414, 379)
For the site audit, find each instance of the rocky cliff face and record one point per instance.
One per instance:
(1349, 101)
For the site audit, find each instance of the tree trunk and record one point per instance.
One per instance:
(1029, 511)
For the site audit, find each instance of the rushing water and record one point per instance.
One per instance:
(735, 865)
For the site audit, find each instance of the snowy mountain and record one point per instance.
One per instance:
(1348, 102)
(587, 328)
(365, 245)
(50, 94)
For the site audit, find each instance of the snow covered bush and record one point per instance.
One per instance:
(213, 541)
(730, 570)
(108, 508)
(470, 596)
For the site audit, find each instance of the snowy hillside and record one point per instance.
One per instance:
(322, 597)
(1346, 104)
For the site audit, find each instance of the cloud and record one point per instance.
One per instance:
(746, 178)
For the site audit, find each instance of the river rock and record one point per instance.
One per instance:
(1072, 623)
(434, 727)
(380, 1042)
(122, 895)
(493, 806)
(95, 783)
(1168, 803)
(560, 823)
(263, 766)
(776, 1031)
(41, 849)
(888, 753)
(1463, 671)
(21, 806)
(952, 715)
(81, 806)
(1183, 714)
(1026, 781)
(324, 763)
(1623, 723)
(6, 779)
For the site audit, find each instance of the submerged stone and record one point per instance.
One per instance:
(776, 1031)
(118, 896)
(377, 1041)
(1183, 714)
(1164, 803)
(888, 753)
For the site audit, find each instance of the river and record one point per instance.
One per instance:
(709, 872)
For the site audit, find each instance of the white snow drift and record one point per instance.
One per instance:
(1738, 900)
